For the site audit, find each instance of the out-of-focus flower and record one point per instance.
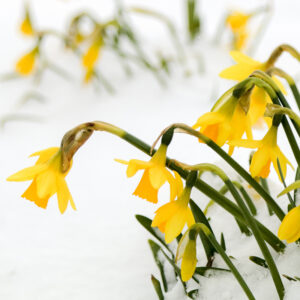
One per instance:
(289, 229)
(90, 58)
(47, 180)
(171, 217)
(154, 177)
(267, 152)
(26, 25)
(238, 21)
(88, 75)
(25, 64)
(228, 122)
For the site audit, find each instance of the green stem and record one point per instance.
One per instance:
(261, 243)
(86, 129)
(226, 259)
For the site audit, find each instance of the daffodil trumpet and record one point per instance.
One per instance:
(186, 251)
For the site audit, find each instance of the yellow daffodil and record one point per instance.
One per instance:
(171, 217)
(267, 152)
(89, 59)
(154, 177)
(47, 180)
(25, 64)
(228, 122)
(289, 229)
(237, 20)
(26, 26)
(244, 67)
(186, 251)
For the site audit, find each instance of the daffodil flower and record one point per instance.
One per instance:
(26, 26)
(289, 229)
(244, 67)
(228, 122)
(186, 251)
(267, 152)
(47, 180)
(25, 64)
(154, 177)
(171, 217)
(237, 20)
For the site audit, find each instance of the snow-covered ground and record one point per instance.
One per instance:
(100, 251)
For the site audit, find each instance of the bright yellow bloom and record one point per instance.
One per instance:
(154, 177)
(47, 180)
(26, 27)
(289, 229)
(244, 67)
(90, 57)
(25, 64)
(228, 122)
(267, 153)
(237, 20)
(171, 217)
(240, 39)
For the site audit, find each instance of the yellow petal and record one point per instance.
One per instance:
(253, 144)
(189, 261)
(63, 194)
(175, 225)
(45, 155)
(209, 118)
(164, 213)
(260, 164)
(145, 189)
(27, 173)
(135, 165)
(289, 229)
(46, 183)
(157, 176)
(243, 59)
(31, 194)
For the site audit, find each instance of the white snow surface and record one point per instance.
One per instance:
(100, 251)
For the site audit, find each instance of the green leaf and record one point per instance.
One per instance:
(222, 242)
(193, 294)
(157, 287)
(289, 277)
(293, 186)
(146, 223)
(155, 248)
(201, 218)
(259, 261)
(202, 270)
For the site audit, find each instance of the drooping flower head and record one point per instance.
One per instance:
(47, 180)
(26, 26)
(237, 22)
(155, 175)
(267, 152)
(226, 122)
(289, 229)
(25, 64)
(244, 67)
(173, 216)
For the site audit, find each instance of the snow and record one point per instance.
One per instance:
(100, 251)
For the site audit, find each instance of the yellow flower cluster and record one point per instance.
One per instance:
(228, 121)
